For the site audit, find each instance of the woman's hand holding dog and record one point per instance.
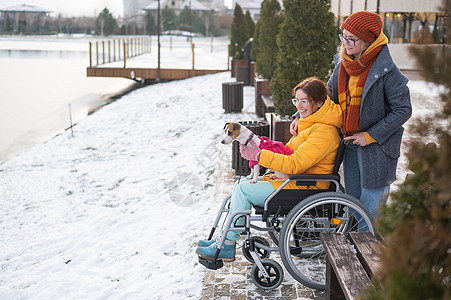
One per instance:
(250, 153)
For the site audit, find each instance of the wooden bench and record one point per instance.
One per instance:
(348, 272)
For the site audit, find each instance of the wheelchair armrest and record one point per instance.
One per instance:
(311, 179)
(317, 177)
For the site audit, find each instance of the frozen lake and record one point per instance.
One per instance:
(41, 76)
(39, 79)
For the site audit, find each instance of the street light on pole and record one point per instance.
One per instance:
(190, 23)
(158, 35)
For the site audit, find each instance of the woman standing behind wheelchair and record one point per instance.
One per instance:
(375, 101)
(314, 150)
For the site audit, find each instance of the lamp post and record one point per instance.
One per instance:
(190, 23)
(158, 36)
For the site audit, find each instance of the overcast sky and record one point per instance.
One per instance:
(69, 8)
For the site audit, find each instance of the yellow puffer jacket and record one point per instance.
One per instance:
(314, 148)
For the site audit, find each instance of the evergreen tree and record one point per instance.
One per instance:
(250, 25)
(151, 26)
(168, 18)
(105, 23)
(266, 52)
(238, 36)
(208, 20)
(307, 42)
(9, 24)
(189, 21)
(256, 43)
(416, 264)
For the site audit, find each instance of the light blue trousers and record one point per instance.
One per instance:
(244, 196)
(353, 177)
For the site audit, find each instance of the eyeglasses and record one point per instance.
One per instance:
(302, 102)
(350, 42)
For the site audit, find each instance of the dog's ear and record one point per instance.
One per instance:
(236, 126)
(226, 124)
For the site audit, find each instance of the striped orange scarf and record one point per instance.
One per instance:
(351, 105)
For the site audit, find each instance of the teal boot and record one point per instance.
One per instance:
(206, 243)
(227, 253)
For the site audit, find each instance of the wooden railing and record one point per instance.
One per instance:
(120, 49)
(107, 51)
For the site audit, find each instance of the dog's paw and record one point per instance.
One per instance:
(253, 181)
(249, 177)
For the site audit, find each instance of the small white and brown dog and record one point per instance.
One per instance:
(237, 132)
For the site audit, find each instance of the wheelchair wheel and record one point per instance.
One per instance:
(300, 247)
(260, 252)
(274, 271)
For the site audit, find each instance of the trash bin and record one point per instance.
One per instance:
(239, 164)
(242, 74)
(232, 96)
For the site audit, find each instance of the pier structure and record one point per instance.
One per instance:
(127, 58)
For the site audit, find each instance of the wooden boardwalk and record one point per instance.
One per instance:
(147, 74)
(116, 50)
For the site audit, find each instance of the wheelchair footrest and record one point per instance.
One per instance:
(210, 264)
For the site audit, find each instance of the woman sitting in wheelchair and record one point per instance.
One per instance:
(314, 150)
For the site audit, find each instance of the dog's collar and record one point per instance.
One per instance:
(249, 139)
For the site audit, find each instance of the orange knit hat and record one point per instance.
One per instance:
(364, 25)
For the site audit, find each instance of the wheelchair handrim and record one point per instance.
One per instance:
(341, 200)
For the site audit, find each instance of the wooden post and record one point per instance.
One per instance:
(114, 50)
(125, 54)
(128, 48)
(109, 52)
(119, 48)
(103, 52)
(170, 43)
(90, 54)
(192, 48)
(228, 57)
(97, 53)
(211, 43)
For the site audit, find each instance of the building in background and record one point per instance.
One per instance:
(23, 16)
(177, 6)
(405, 21)
(134, 7)
(253, 6)
(134, 10)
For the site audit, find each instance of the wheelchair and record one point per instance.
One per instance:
(294, 220)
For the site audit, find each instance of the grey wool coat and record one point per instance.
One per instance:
(385, 107)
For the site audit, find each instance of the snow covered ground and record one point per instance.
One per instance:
(115, 211)
(99, 214)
